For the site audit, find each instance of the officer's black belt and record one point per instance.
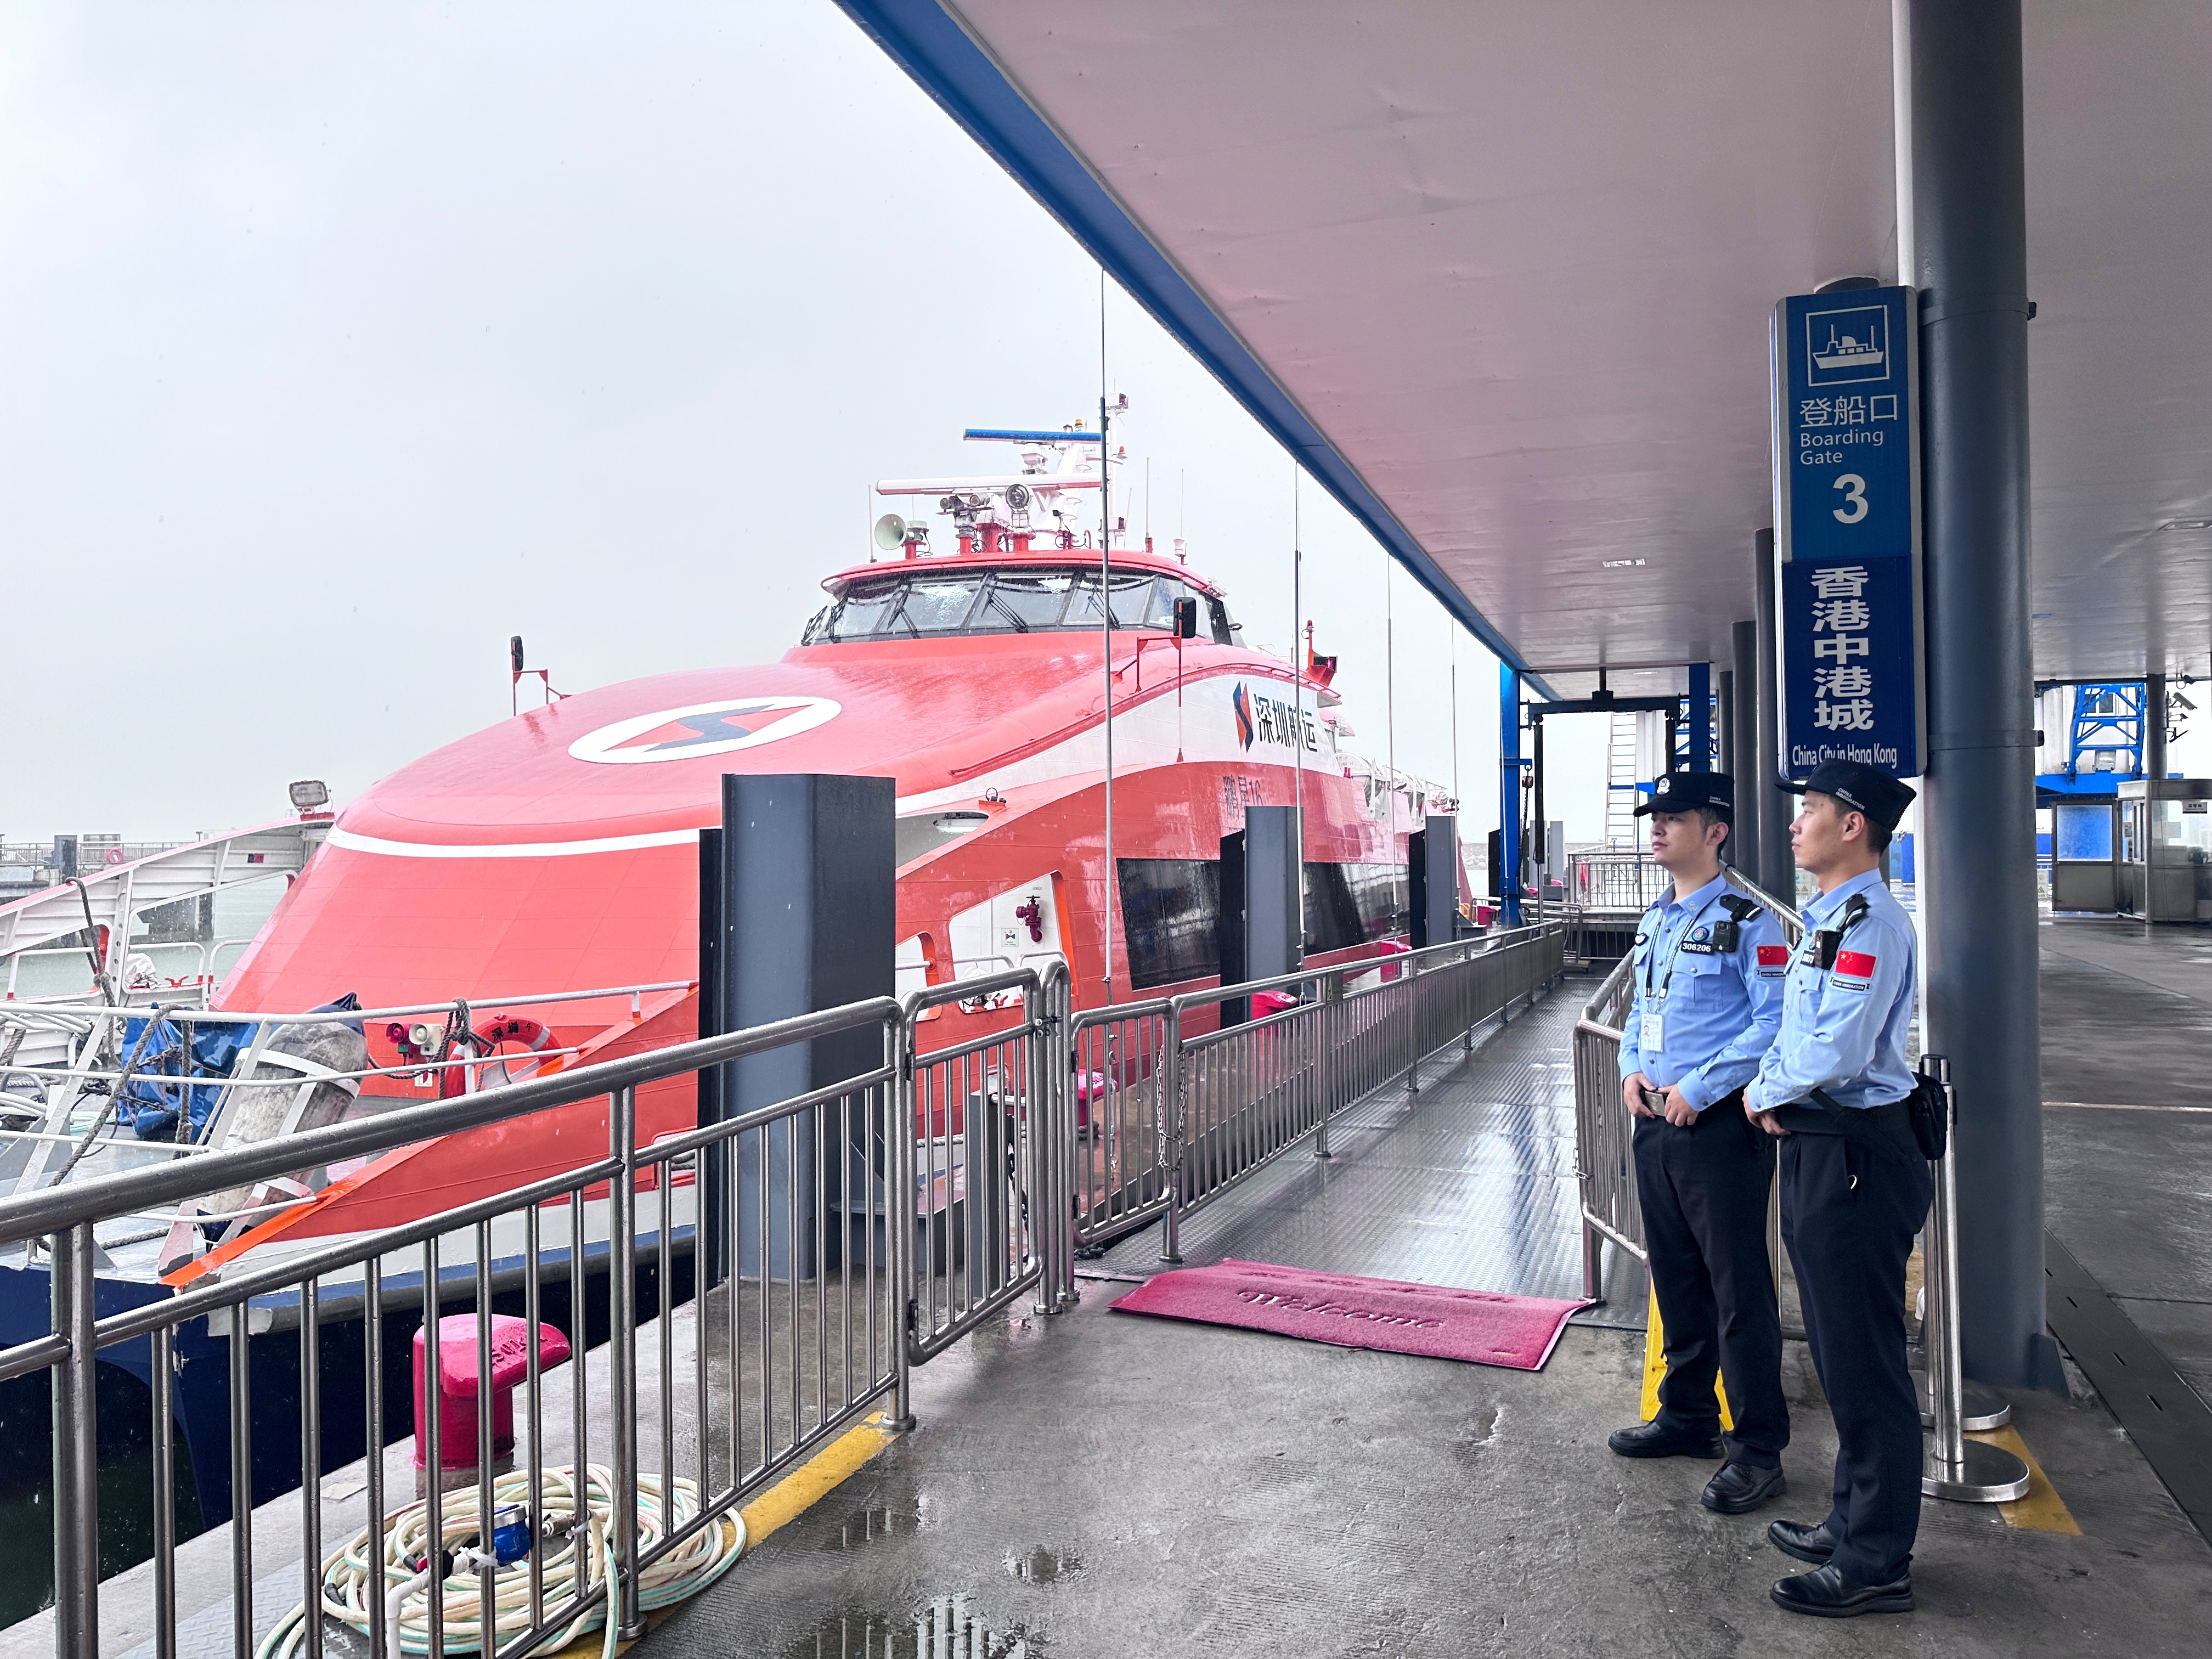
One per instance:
(1884, 1130)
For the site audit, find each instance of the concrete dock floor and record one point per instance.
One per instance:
(1107, 1484)
(1103, 1484)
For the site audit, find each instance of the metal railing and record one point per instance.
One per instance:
(1613, 880)
(1605, 1157)
(734, 1296)
(1183, 1107)
(681, 1319)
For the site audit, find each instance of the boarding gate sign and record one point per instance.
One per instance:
(1846, 381)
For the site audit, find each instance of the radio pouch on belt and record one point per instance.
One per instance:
(1930, 1121)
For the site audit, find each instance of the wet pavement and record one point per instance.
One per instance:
(1093, 1484)
(1226, 1491)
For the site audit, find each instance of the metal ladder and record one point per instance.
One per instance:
(1620, 792)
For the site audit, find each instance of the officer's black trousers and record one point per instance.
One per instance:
(1703, 1192)
(1849, 1216)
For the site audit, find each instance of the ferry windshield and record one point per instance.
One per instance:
(918, 604)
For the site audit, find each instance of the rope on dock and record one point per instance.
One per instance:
(576, 1559)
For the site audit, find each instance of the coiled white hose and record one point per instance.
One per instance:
(574, 1565)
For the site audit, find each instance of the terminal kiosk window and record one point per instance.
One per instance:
(2165, 848)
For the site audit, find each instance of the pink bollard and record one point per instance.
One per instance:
(457, 1389)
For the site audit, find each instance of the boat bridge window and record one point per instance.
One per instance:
(915, 604)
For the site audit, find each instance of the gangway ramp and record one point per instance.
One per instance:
(1467, 1181)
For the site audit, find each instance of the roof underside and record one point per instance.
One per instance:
(1501, 273)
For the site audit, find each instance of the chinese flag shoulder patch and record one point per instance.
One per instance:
(1774, 956)
(1855, 969)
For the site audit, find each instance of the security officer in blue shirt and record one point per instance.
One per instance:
(1708, 967)
(1855, 1189)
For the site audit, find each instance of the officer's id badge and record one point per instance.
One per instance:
(1651, 1037)
(1854, 970)
(1773, 961)
(1701, 941)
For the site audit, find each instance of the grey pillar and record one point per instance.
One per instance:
(808, 909)
(1977, 883)
(1778, 869)
(1274, 919)
(1434, 867)
(2154, 761)
(1744, 749)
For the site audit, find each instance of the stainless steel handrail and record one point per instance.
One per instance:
(828, 1285)
(1263, 1085)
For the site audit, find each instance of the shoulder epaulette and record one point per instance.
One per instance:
(1742, 909)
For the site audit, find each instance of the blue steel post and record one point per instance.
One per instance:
(1968, 250)
(1700, 758)
(1508, 790)
(1750, 797)
(1778, 865)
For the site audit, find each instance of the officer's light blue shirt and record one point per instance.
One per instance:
(1844, 1030)
(1718, 1010)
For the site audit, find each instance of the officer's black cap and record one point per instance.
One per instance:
(1685, 792)
(1861, 788)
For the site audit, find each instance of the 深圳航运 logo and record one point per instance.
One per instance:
(702, 729)
(1264, 719)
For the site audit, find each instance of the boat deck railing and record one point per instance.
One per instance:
(69, 1066)
(734, 1296)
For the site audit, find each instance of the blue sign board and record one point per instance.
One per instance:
(1846, 384)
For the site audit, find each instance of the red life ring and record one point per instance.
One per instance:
(510, 1029)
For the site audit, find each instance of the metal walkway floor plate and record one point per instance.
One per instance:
(1468, 1183)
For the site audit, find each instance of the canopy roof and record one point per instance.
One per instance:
(1501, 275)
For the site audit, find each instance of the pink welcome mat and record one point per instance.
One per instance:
(1480, 1327)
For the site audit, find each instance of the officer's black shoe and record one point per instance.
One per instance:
(1649, 1440)
(1740, 1488)
(1826, 1594)
(1813, 1544)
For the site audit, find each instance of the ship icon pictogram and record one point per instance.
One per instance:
(1847, 352)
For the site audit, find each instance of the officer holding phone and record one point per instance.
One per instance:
(1708, 965)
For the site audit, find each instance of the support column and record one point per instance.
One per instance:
(1274, 925)
(807, 910)
(1509, 791)
(1745, 840)
(1724, 719)
(1700, 749)
(2153, 730)
(1778, 870)
(1968, 247)
(1541, 831)
(1432, 872)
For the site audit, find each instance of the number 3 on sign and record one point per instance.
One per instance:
(1855, 507)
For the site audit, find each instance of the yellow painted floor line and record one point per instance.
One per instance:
(812, 1481)
(2043, 1509)
(780, 1505)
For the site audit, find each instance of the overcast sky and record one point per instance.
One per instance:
(344, 341)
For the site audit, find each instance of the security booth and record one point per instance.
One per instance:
(2165, 861)
(2085, 855)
